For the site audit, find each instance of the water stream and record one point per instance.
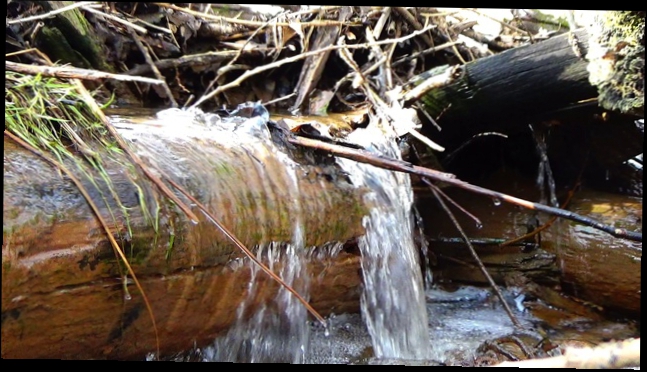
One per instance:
(393, 304)
(393, 301)
(277, 331)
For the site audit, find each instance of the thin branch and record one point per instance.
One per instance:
(298, 57)
(251, 23)
(455, 204)
(504, 24)
(149, 62)
(409, 18)
(52, 13)
(552, 220)
(67, 72)
(279, 99)
(115, 19)
(406, 167)
(223, 70)
(201, 59)
(425, 52)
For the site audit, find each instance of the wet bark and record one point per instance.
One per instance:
(62, 285)
(596, 268)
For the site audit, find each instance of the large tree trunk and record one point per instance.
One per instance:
(62, 289)
(509, 88)
(600, 66)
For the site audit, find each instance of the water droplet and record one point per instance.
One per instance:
(327, 332)
(479, 225)
(496, 201)
(127, 297)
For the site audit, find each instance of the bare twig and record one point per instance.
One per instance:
(187, 60)
(247, 252)
(504, 24)
(440, 191)
(298, 57)
(52, 13)
(476, 257)
(414, 22)
(379, 25)
(149, 62)
(115, 19)
(552, 220)
(425, 52)
(252, 23)
(279, 99)
(68, 72)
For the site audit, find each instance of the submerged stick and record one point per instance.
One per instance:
(403, 166)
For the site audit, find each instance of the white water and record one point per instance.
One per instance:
(393, 303)
(278, 330)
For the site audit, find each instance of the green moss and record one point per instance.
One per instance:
(223, 169)
(51, 41)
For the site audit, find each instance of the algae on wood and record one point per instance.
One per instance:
(62, 280)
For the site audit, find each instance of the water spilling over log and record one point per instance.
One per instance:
(63, 290)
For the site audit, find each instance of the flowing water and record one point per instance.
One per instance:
(398, 317)
(393, 302)
(277, 331)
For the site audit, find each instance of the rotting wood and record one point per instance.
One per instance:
(62, 293)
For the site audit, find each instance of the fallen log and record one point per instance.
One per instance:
(599, 65)
(506, 89)
(63, 290)
(584, 262)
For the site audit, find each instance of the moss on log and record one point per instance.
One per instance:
(62, 286)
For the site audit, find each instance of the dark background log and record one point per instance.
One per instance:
(503, 92)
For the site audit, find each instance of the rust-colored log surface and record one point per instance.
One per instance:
(588, 264)
(597, 267)
(62, 289)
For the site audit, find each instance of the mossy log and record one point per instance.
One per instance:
(68, 37)
(63, 293)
